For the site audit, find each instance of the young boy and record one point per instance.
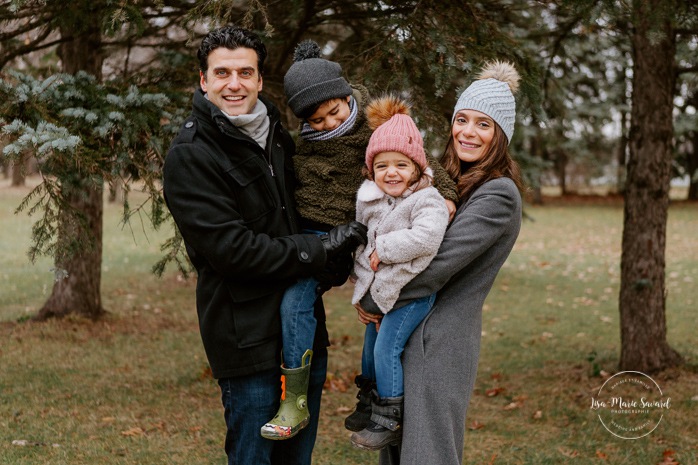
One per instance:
(330, 155)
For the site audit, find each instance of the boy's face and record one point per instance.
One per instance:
(232, 80)
(330, 114)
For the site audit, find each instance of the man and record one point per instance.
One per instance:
(228, 182)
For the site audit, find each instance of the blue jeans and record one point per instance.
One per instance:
(298, 320)
(250, 401)
(380, 360)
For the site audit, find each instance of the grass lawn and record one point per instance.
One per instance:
(134, 388)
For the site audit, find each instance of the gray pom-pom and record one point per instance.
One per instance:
(306, 49)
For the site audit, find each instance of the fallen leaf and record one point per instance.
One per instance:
(135, 431)
(512, 406)
(206, 373)
(538, 415)
(571, 453)
(494, 391)
(344, 410)
(601, 455)
(336, 384)
(475, 425)
(668, 458)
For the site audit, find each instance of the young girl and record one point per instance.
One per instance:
(330, 154)
(406, 219)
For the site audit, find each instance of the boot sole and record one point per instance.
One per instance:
(377, 447)
(280, 437)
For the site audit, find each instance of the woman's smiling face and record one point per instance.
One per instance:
(472, 133)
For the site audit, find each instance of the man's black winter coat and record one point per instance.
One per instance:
(233, 204)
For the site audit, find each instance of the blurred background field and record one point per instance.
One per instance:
(135, 388)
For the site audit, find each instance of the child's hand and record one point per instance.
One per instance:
(368, 318)
(451, 206)
(375, 261)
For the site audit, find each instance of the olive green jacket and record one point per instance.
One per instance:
(329, 172)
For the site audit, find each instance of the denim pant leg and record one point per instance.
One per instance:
(396, 328)
(368, 365)
(250, 401)
(298, 320)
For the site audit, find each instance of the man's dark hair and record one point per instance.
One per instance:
(231, 37)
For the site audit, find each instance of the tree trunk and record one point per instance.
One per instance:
(642, 292)
(620, 155)
(19, 174)
(692, 165)
(79, 292)
(561, 168)
(536, 152)
(116, 190)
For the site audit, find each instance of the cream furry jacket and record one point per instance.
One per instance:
(406, 231)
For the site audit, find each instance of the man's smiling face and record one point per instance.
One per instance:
(232, 80)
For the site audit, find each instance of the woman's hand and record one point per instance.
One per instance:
(368, 318)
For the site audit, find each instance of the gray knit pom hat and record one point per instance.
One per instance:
(493, 94)
(312, 80)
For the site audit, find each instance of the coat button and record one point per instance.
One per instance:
(189, 124)
(304, 255)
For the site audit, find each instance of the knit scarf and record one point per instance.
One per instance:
(310, 134)
(254, 124)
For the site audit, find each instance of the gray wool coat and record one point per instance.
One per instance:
(441, 358)
(406, 232)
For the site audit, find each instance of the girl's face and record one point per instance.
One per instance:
(330, 114)
(393, 172)
(472, 133)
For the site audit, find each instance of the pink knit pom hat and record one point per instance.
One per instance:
(394, 131)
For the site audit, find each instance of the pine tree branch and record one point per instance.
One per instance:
(686, 69)
(32, 46)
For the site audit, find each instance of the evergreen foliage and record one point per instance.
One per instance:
(84, 133)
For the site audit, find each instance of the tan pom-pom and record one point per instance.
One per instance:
(380, 110)
(501, 71)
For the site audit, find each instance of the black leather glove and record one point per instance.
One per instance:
(343, 238)
(336, 272)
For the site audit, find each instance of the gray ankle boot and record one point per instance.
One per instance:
(385, 428)
(361, 417)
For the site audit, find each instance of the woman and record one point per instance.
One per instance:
(441, 358)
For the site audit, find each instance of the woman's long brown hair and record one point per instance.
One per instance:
(495, 163)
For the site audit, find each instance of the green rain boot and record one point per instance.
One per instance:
(293, 413)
